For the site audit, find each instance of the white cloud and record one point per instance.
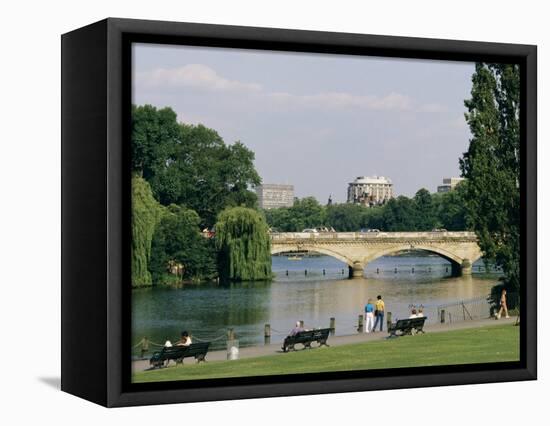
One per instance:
(339, 100)
(202, 77)
(193, 76)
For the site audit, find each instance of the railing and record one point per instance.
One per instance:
(465, 310)
(436, 235)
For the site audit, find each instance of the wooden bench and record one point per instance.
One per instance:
(306, 338)
(178, 353)
(407, 326)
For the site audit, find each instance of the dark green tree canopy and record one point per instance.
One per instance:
(206, 175)
(178, 239)
(450, 209)
(346, 217)
(491, 165)
(191, 170)
(400, 215)
(305, 213)
(155, 133)
(425, 211)
(422, 213)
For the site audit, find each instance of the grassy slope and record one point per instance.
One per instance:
(479, 345)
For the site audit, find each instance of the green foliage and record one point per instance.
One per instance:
(373, 218)
(346, 217)
(450, 208)
(279, 219)
(492, 166)
(422, 213)
(191, 165)
(146, 213)
(206, 175)
(178, 239)
(191, 170)
(243, 242)
(425, 214)
(155, 133)
(305, 213)
(400, 215)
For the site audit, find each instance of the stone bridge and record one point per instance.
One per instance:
(357, 249)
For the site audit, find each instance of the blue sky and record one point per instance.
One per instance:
(318, 121)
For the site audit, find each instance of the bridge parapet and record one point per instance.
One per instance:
(374, 236)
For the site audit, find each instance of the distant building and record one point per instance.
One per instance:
(370, 190)
(449, 184)
(271, 196)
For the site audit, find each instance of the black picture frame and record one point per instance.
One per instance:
(96, 89)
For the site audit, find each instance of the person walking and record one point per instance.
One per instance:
(369, 316)
(503, 306)
(379, 309)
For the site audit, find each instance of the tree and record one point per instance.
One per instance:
(399, 215)
(492, 165)
(306, 213)
(345, 217)
(146, 213)
(178, 240)
(424, 216)
(242, 239)
(155, 134)
(373, 217)
(450, 208)
(206, 175)
(279, 219)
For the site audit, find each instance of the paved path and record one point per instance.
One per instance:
(275, 348)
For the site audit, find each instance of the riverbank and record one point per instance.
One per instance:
(208, 310)
(459, 343)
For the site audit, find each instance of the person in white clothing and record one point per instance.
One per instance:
(369, 316)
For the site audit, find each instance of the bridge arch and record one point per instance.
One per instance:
(316, 249)
(453, 258)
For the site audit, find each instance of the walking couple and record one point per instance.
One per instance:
(374, 314)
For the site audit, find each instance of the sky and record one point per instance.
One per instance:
(318, 121)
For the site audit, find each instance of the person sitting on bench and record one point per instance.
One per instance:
(413, 314)
(297, 329)
(185, 339)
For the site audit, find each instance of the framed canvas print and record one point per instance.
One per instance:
(255, 212)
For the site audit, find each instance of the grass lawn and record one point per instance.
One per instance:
(476, 345)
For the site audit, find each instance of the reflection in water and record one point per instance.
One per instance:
(207, 310)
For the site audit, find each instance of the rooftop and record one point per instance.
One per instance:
(372, 179)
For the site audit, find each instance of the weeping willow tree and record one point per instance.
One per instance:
(243, 242)
(146, 213)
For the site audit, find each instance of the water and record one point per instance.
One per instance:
(207, 310)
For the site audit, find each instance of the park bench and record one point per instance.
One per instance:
(306, 338)
(178, 353)
(407, 326)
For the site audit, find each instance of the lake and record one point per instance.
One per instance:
(207, 310)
